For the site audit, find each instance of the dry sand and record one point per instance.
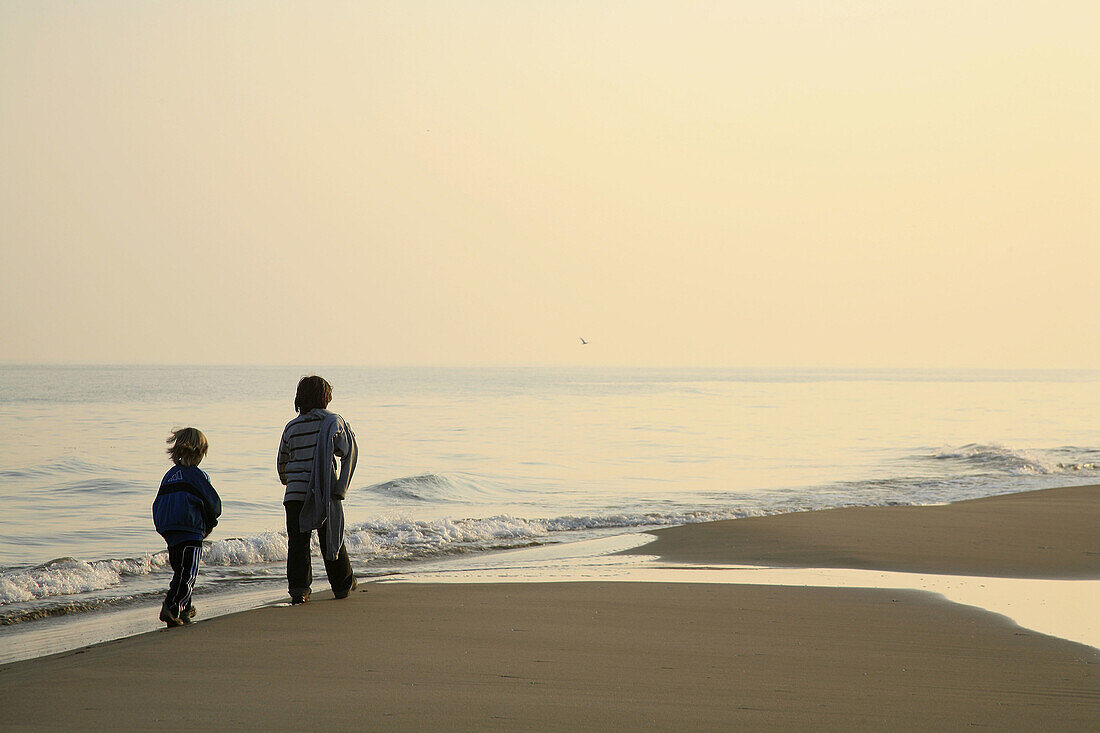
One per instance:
(624, 656)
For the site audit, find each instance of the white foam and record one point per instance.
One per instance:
(262, 548)
(398, 537)
(67, 576)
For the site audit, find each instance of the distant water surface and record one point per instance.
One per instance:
(456, 461)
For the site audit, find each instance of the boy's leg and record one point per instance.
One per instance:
(299, 571)
(184, 558)
(340, 576)
(167, 615)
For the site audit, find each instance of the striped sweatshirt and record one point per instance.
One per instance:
(296, 450)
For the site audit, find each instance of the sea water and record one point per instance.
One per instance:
(463, 461)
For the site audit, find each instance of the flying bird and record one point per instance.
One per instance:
(583, 342)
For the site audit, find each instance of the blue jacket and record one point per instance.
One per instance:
(186, 504)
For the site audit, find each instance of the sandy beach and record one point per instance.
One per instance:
(706, 366)
(631, 656)
(1035, 534)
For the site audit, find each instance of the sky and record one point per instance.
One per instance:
(782, 183)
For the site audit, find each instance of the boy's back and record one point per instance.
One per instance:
(186, 505)
(185, 511)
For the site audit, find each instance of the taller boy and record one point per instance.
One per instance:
(308, 453)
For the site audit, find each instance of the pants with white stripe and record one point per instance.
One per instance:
(184, 559)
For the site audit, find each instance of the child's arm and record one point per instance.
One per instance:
(211, 504)
(343, 446)
(283, 459)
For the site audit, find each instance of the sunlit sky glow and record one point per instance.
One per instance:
(681, 183)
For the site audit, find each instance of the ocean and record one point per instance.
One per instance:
(462, 462)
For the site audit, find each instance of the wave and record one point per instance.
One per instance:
(238, 551)
(965, 470)
(63, 466)
(1002, 459)
(378, 540)
(435, 488)
(401, 539)
(69, 576)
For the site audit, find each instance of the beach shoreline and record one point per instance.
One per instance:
(626, 655)
(1033, 534)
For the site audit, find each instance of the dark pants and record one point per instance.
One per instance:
(299, 568)
(184, 559)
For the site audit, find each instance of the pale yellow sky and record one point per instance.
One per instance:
(711, 183)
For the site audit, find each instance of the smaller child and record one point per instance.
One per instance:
(185, 511)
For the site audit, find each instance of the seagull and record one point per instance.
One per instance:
(583, 342)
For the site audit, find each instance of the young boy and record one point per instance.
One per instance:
(185, 511)
(310, 447)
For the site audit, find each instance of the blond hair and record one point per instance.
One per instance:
(187, 446)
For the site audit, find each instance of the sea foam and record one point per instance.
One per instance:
(67, 576)
(377, 540)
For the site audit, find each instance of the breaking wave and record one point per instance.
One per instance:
(1002, 459)
(71, 585)
(374, 541)
(402, 539)
(68, 576)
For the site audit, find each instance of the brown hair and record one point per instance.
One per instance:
(187, 446)
(313, 392)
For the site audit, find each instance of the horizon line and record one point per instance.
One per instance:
(570, 365)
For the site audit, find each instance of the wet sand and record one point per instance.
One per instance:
(628, 656)
(1054, 533)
